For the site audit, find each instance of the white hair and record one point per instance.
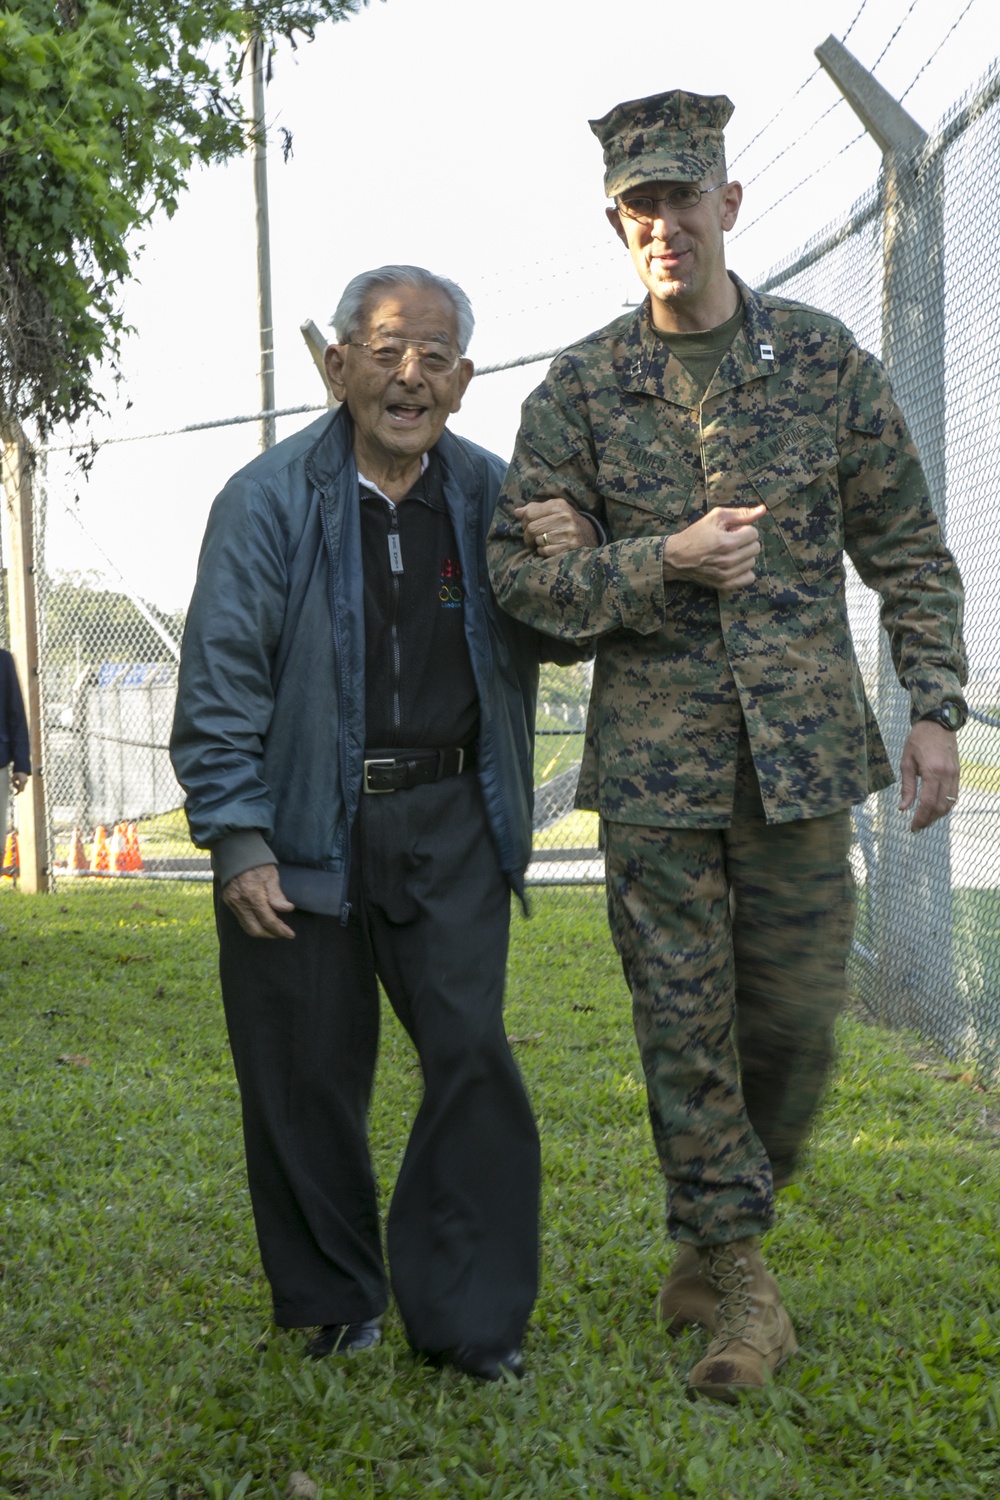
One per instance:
(353, 305)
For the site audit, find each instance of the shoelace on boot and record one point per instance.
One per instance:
(730, 1275)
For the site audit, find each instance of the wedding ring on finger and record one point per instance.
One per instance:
(545, 539)
(951, 799)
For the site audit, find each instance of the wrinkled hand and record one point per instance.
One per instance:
(717, 550)
(19, 780)
(256, 897)
(930, 757)
(553, 527)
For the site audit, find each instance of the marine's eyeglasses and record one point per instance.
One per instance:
(642, 208)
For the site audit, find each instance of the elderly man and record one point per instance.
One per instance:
(354, 732)
(734, 447)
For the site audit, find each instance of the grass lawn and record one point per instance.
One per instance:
(136, 1353)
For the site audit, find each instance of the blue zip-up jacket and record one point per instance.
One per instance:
(269, 733)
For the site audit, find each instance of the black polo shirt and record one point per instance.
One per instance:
(419, 689)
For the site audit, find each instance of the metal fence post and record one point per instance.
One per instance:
(18, 466)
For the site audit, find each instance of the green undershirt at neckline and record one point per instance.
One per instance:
(701, 353)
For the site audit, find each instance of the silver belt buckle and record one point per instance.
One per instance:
(375, 791)
(461, 760)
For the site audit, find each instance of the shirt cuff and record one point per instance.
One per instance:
(926, 698)
(240, 851)
(602, 535)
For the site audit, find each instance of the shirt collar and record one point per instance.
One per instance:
(649, 367)
(370, 484)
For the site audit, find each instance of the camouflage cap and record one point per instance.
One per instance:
(672, 137)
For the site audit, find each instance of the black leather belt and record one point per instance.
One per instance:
(398, 770)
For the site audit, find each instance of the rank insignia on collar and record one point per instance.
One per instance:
(766, 351)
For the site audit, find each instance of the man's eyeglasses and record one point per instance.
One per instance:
(390, 354)
(642, 208)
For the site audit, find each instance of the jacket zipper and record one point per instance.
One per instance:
(395, 572)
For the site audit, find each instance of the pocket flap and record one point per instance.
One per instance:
(782, 465)
(642, 479)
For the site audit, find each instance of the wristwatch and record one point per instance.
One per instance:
(950, 715)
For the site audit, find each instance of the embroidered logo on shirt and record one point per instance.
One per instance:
(451, 592)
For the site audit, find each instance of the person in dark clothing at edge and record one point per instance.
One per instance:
(15, 748)
(354, 732)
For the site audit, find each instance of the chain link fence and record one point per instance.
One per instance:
(908, 272)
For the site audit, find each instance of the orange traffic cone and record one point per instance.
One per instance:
(10, 860)
(77, 854)
(117, 850)
(100, 859)
(133, 854)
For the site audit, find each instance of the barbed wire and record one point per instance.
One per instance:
(791, 100)
(93, 445)
(797, 141)
(771, 206)
(862, 134)
(854, 23)
(557, 261)
(548, 261)
(520, 359)
(895, 34)
(803, 134)
(940, 44)
(605, 263)
(775, 117)
(597, 246)
(551, 260)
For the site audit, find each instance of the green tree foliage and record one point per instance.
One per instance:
(87, 624)
(103, 110)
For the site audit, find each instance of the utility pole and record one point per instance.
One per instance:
(911, 899)
(32, 831)
(265, 319)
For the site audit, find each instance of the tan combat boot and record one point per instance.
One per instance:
(754, 1334)
(687, 1297)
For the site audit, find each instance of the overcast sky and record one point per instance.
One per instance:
(453, 134)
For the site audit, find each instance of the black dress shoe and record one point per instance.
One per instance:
(342, 1338)
(482, 1364)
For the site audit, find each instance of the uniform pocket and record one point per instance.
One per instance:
(645, 493)
(795, 475)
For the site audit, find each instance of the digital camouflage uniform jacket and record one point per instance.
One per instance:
(796, 416)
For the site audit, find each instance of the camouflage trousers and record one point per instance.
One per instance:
(734, 943)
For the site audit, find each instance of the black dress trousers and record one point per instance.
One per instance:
(430, 918)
